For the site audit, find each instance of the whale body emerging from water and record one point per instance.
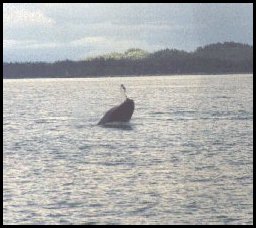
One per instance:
(119, 113)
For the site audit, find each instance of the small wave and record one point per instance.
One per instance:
(118, 125)
(39, 121)
(83, 147)
(159, 113)
(227, 118)
(224, 97)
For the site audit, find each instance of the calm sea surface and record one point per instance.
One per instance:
(185, 158)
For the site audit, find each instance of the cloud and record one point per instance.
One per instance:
(105, 45)
(28, 44)
(88, 41)
(15, 16)
(75, 31)
(9, 43)
(223, 22)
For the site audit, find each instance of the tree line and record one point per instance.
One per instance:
(218, 58)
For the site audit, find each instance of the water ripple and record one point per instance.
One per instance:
(186, 157)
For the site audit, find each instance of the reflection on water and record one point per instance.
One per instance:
(186, 156)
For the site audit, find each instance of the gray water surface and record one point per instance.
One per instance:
(186, 157)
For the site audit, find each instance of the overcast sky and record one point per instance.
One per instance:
(51, 31)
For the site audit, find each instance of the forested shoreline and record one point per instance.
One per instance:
(219, 58)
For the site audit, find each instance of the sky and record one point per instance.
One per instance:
(59, 31)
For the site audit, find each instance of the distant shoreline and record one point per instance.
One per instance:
(212, 59)
(130, 76)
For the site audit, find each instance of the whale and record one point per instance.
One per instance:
(120, 113)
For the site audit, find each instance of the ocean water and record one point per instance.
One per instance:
(186, 157)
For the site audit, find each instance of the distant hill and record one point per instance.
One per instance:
(132, 53)
(219, 58)
(226, 51)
